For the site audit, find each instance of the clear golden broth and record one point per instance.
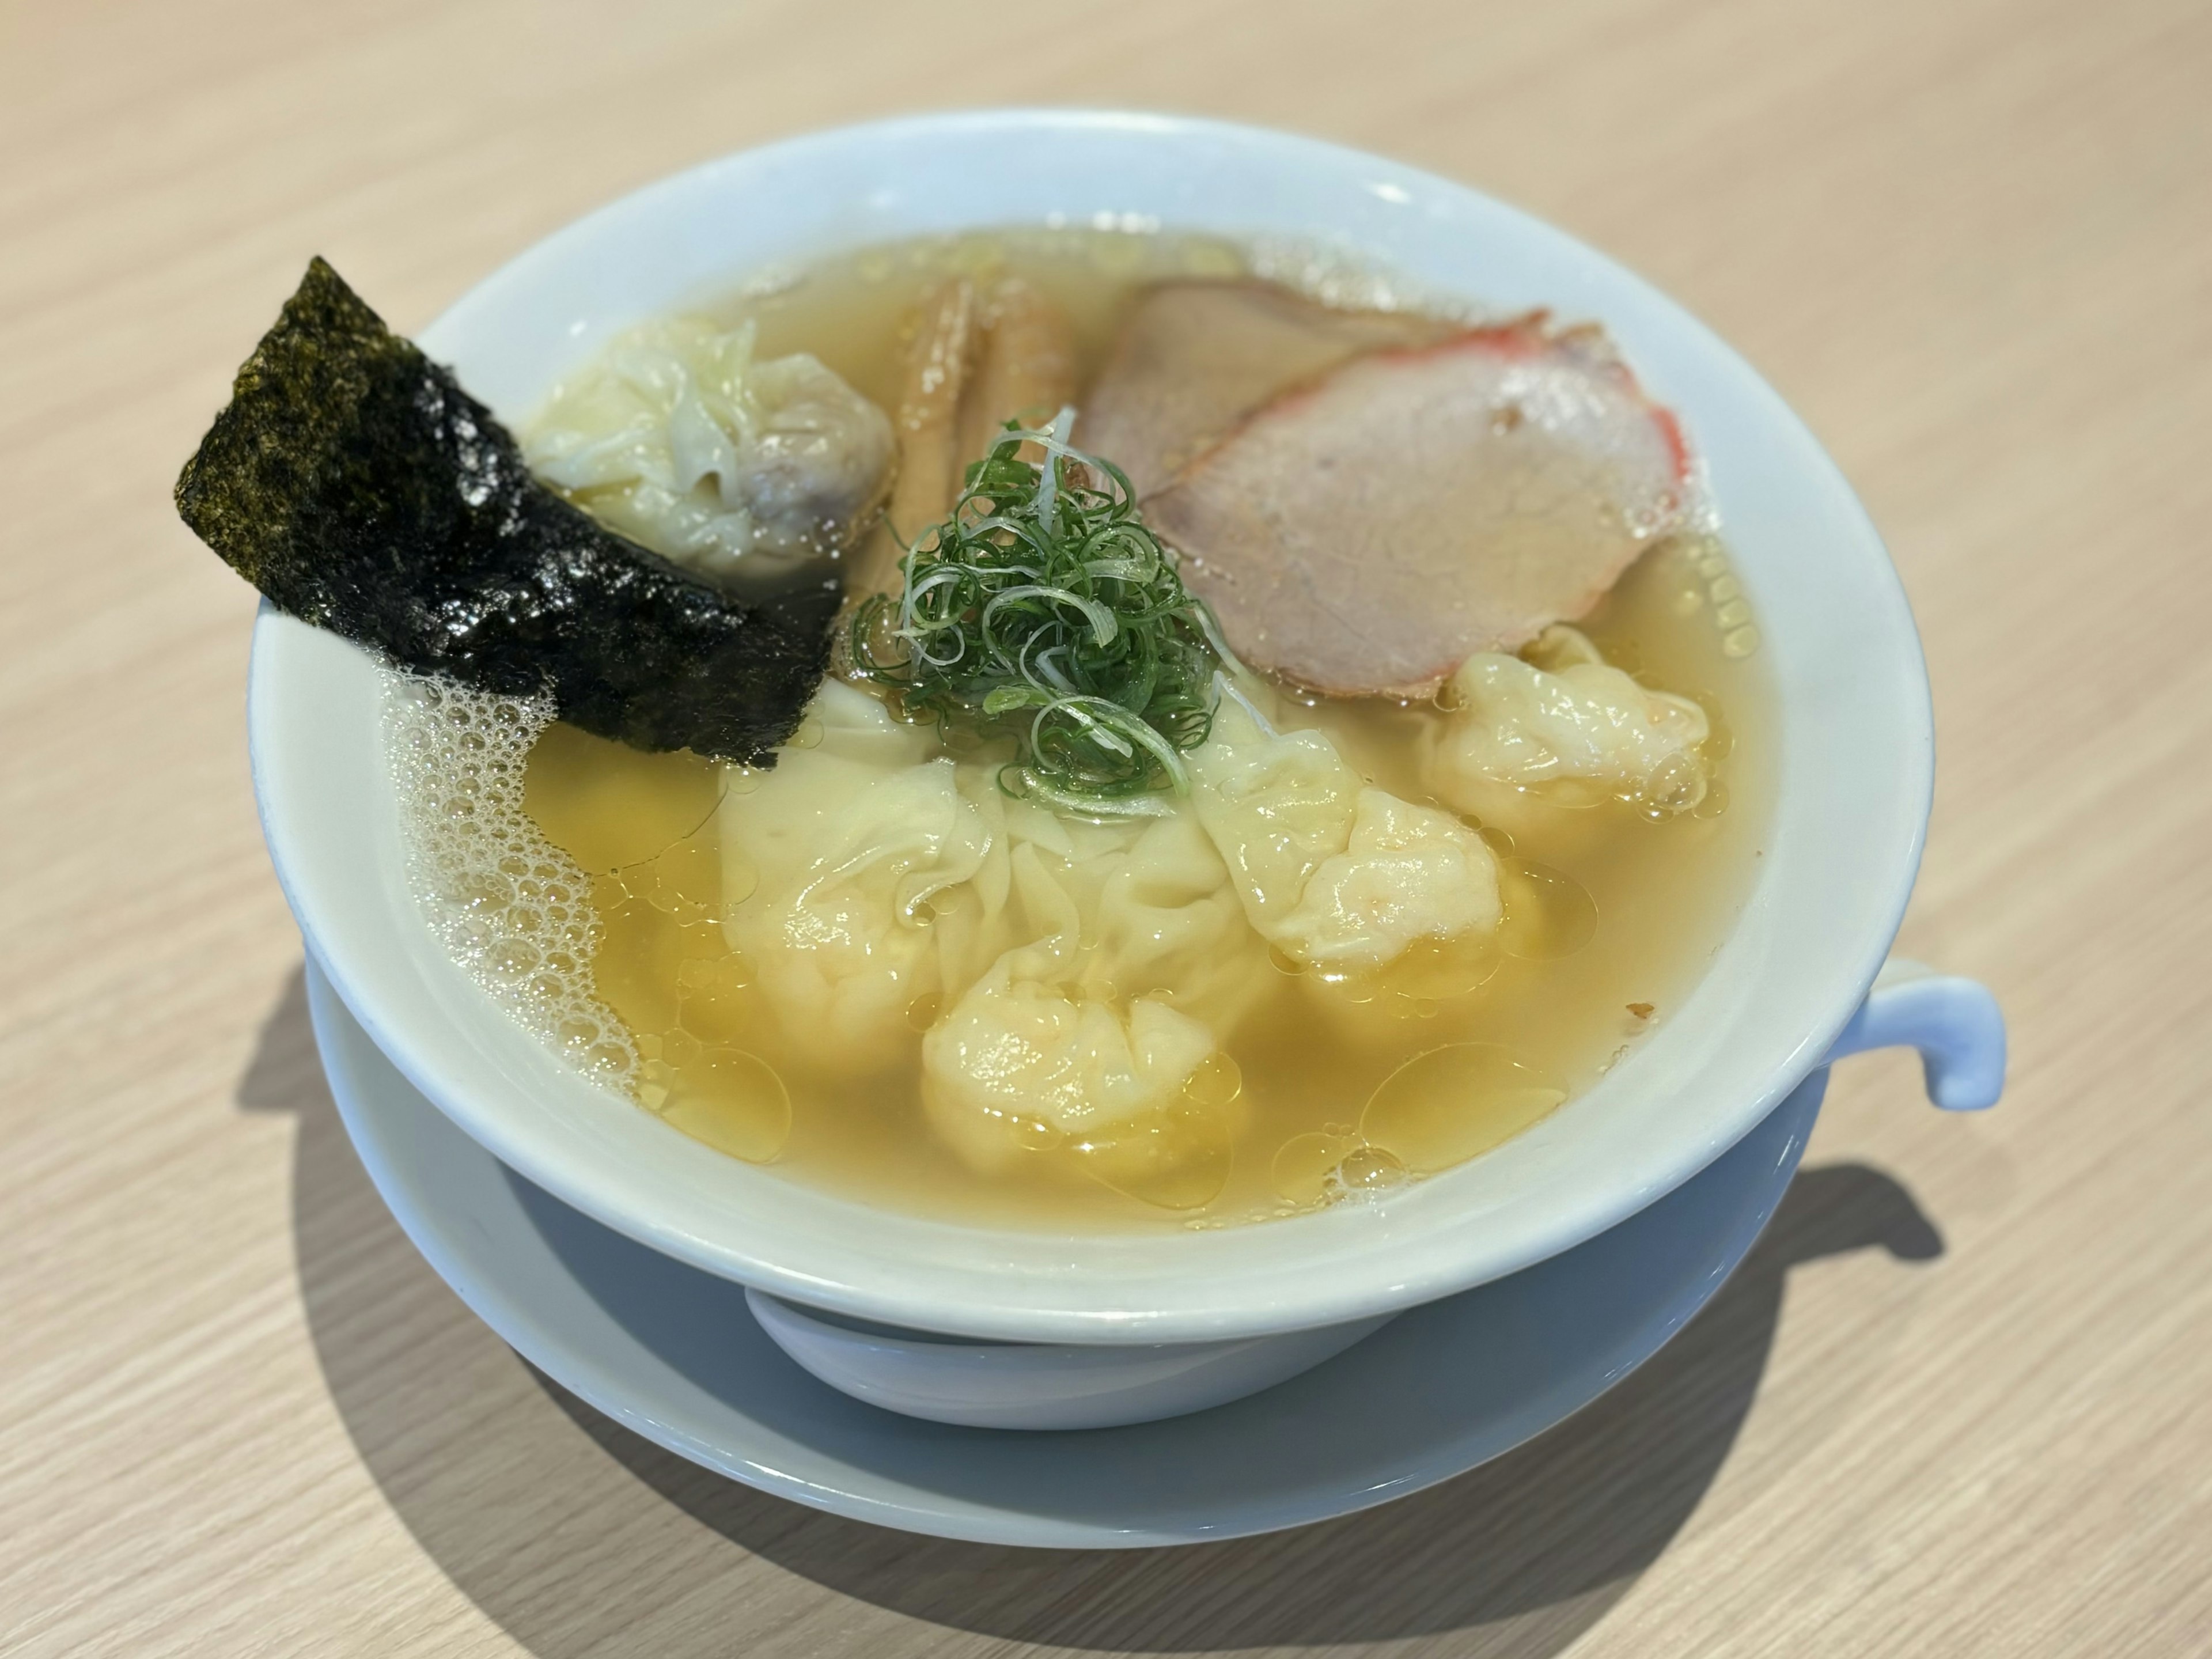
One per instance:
(1611, 915)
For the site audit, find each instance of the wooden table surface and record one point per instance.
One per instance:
(1960, 1400)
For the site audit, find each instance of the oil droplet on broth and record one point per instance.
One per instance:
(1676, 784)
(1217, 1082)
(685, 880)
(1304, 1163)
(642, 951)
(1174, 1159)
(1452, 1104)
(732, 1101)
(1432, 970)
(710, 996)
(1357, 990)
(1369, 1169)
(1548, 914)
(607, 804)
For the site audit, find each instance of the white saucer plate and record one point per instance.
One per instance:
(673, 1352)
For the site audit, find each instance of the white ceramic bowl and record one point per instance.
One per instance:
(1854, 729)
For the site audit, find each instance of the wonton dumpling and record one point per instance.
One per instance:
(678, 437)
(878, 872)
(1014, 1050)
(1337, 873)
(1154, 901)
(1571, 730)
(1409, 872)
(1073, 1027)
(836, 848)
(1277, 804)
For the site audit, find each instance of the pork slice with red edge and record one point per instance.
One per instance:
(1366, 533)
(1195, 355)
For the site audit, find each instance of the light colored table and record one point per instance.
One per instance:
(1961, 1401)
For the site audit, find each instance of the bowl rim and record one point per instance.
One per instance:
(308, 744)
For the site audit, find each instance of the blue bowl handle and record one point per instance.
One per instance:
(1955, 1022)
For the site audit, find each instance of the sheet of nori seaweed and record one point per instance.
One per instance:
(354, 484)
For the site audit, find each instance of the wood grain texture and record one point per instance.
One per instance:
(1960, 1402)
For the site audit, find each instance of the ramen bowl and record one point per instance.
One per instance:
(1851, 721)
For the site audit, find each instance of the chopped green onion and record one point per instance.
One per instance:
(1043, 612)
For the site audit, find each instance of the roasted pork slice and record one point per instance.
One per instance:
(1193, 358)
(1365, 534)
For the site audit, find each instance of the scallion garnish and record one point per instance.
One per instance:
(1043, 611)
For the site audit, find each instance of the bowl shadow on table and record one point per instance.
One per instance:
(1519, 1556)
